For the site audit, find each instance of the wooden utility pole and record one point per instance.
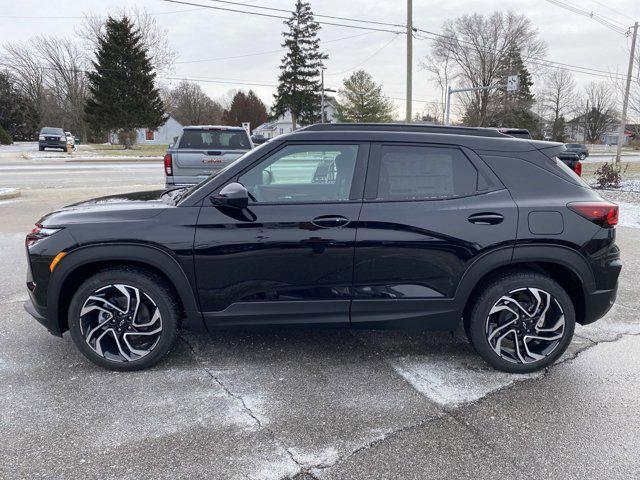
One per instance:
(409, 57)
(625, 103)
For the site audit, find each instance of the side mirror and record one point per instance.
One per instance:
(233, 195)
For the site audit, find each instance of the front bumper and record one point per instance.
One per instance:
(39, 314)
(52, 144)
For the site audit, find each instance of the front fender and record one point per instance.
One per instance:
(150, 255)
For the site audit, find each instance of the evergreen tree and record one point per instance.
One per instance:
(122, 91)
(361, 100)
(513, 109)
(299, 80)
(245, 108)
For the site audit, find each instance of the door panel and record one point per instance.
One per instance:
(267, 259)
(411, 253)
(288, 257)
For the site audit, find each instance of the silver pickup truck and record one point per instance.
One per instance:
(202, 150)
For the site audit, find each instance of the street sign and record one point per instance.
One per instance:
(513, 82)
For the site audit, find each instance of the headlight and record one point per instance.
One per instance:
(39, 233)
(41, 137)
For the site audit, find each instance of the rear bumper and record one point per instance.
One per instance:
(597, 304)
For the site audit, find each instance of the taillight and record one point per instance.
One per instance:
(168, 164)
(578, 168)
(604, 214)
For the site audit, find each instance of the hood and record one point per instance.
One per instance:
(113, 208)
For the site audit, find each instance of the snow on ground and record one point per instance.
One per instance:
(630, 185)
(452, 383)
(629, 215)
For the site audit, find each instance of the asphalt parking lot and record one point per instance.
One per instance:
(294, 403)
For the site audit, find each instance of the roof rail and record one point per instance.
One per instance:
(406, 127)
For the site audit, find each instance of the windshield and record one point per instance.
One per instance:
(189, 191)
(52, 131)
(215, 140)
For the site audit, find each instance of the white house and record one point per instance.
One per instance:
(283, 124)
(165, 134)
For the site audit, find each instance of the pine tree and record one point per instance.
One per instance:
(299, 80)
(122, 91)
(361, 100)
(513, 109)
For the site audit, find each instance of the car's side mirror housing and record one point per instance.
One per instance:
(233, 195)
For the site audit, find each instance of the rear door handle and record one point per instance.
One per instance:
(330, 221)
(486, 218)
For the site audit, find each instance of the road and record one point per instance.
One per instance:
(293, 403)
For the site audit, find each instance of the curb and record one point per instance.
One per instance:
(11, 193)
(115, 160)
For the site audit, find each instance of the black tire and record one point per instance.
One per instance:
(582, 156)
(477, 323)
(41, 148)
(151, 288)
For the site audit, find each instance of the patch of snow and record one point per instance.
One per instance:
(450, 383)
(630, 185)
(5, 191)
(327, 456)
(629, 215)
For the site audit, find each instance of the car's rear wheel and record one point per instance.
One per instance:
(124, 319)
(582, 156)
(521, 322)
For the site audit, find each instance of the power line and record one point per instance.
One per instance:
(366, 59)
(255, 54)
(588, 14)
(269, 15)
(372, 22)
(610, 8)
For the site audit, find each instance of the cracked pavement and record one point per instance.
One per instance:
(310, 404)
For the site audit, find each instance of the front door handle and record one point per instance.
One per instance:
(330, 221)
(486, 218)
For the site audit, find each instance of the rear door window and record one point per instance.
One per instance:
(214, 140)
(422, 172)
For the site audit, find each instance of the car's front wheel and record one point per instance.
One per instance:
(124, 319)
(521, 322)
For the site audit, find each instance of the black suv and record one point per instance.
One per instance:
(363, 225)
(52, 137)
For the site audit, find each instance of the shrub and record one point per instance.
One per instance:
(5, 138)
(635, 144)
(609, 175)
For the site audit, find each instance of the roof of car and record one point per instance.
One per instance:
(405, 127)
(212, 127)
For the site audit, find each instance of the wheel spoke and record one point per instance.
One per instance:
(120, 334)
(535, 329)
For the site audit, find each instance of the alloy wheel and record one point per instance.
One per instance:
(525, 326)
(120, 323)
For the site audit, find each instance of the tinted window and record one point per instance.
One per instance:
(303, 173)
(52, 131)
(416, 173)
(215, 140)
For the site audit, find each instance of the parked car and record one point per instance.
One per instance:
(362, 225)
(516, 132)
(201, 151)
(571, 160)
(578, 148)
(52, 137)
(258, 139)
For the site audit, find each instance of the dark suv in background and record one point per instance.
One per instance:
(579, 149)
(362, 225)
(52, 137)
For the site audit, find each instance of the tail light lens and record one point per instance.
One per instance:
(604, 214)
(168, 164)
(578, 168)
(39, 233)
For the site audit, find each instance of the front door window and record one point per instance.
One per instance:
(303, 174)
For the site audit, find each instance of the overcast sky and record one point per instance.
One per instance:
(199, 33)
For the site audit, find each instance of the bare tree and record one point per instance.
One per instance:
(558, 98)
(66, 78)
(598, 112)
(188, 104)
(154, 38)
(443, 73)
(479, 47)
(29, 75)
